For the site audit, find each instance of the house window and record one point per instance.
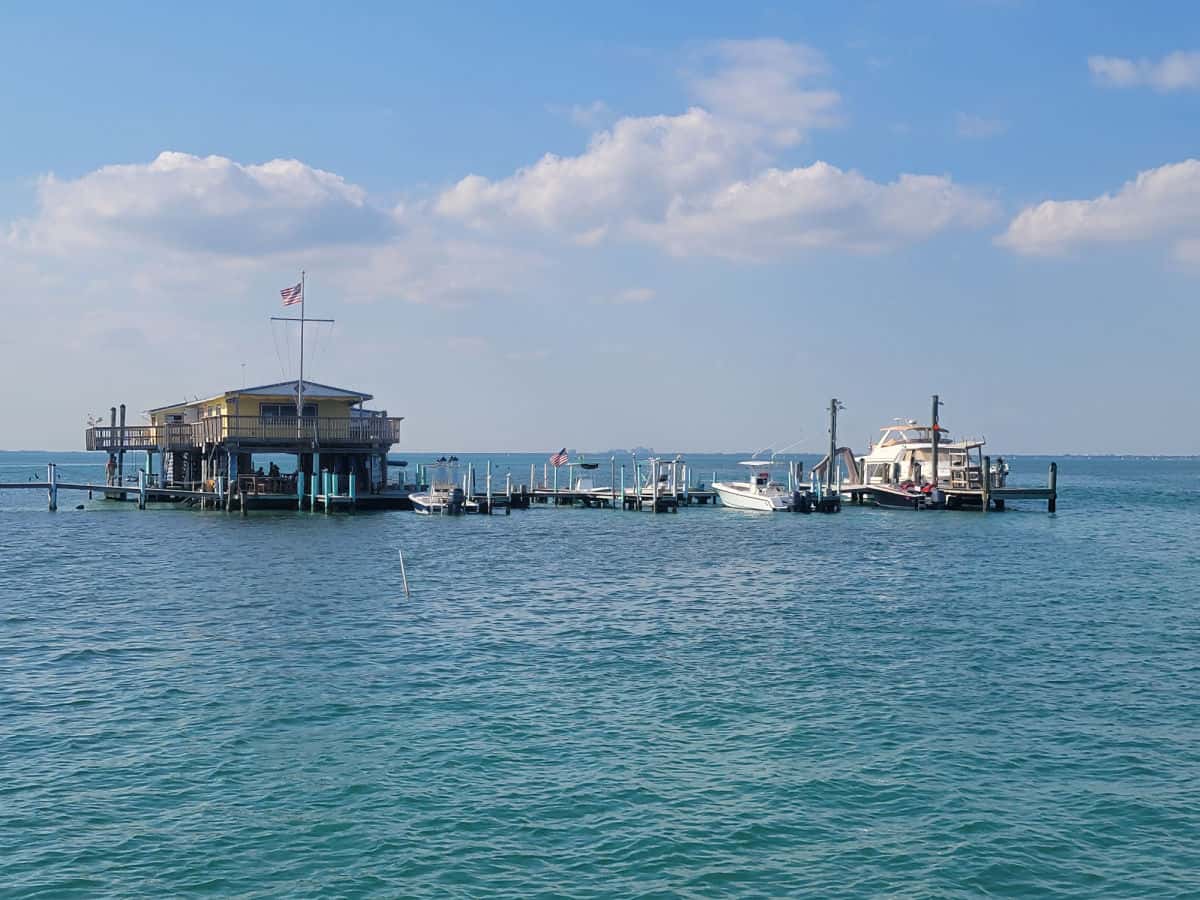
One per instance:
(286, 410)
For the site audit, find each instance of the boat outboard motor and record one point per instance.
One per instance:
(455, 505)
(801, 502)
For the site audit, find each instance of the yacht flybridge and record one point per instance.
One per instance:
(759, 493)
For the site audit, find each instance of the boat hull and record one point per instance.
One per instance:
(898, 498)
(737, 498)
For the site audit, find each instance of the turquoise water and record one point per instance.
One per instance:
(595, 703)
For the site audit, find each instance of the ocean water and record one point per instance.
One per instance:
(586, 703)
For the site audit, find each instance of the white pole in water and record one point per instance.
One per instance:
(612, 480)
(52, 486)
(622, 501)
(141, 501)
(489, 486)
(508, 484)
(403, 574)
(532, 485)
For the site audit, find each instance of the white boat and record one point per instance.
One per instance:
(759, 493)
(898, 468)
(444, 494)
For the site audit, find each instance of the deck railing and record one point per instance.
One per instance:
(251, 429)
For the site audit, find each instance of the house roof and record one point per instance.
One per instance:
(311, 389)
(281, 389)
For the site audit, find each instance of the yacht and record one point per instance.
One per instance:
(759, 493)
(898, 468)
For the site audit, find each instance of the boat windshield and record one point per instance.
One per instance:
(919, 434)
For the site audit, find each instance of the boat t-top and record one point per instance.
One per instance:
(444, 495)
(759, 493)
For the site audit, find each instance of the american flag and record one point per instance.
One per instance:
(559, 458)
(292, 295)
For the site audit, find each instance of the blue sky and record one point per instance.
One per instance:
(683, 226)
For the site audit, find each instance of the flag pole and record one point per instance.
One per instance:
(300, 382)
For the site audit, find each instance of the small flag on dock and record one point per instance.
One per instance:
(559, 458)
(292, 295)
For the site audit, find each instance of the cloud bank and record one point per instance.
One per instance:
(701, 182)
(205, 204)
(1177, 71)
(1162, 203)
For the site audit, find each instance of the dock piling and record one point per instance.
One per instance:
(52, 486)
(141, 498)
(985, 482)
(121, 451)
(1052, 483)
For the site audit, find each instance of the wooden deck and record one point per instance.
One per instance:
(250, 431)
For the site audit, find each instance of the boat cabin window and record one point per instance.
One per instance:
(286, 410)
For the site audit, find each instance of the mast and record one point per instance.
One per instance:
(300, 380)
(834, 406)
(935, 440)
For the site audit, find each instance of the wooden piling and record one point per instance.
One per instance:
(121, 451)
(52, 486)
(1052, 483)
(985, 482)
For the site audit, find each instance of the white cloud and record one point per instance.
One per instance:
(592, 115)
(1162, 203)
(1174, 72)
(633, 295)
(669, 179)
(208, 204)
(763, 83)
(977, 127)
(818, 206)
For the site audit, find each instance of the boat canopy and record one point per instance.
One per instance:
(757, 463)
